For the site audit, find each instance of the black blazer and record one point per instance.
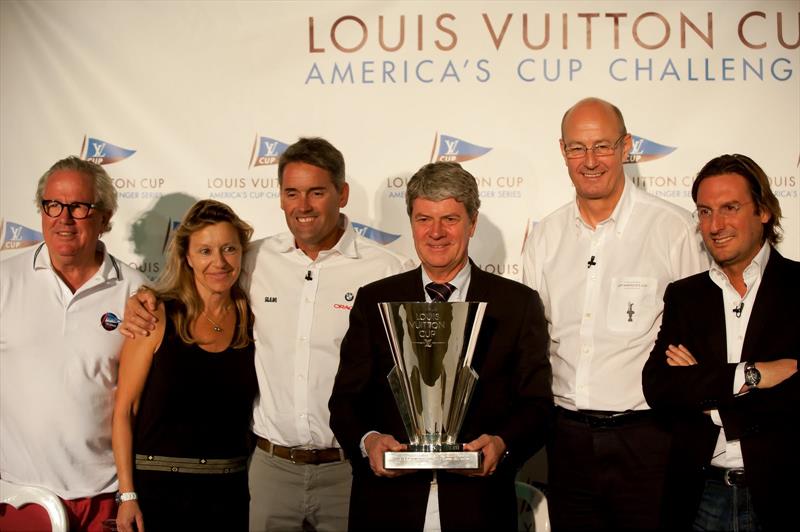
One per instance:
(764, 420)
(512, 399)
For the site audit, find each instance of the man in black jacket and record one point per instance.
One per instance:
(725, 363)
(512, 403)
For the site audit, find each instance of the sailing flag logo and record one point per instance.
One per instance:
(102, 152)
(266, 151)
(452, 149)
(377, 235)
(644, 150)
(16, 236)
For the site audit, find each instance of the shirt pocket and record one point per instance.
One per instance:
(632, 304)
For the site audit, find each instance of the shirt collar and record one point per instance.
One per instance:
(346, 246)
(109, 269)
(460, 282)
(621, 213)
(754, 270)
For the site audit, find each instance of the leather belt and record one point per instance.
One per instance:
(603, 418)
(297, 455)
(730, 477)
(205, 466)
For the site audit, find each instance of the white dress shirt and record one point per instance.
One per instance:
(460, 284)
(728, 454)
(433, 521)
(59, 358)
(602, 291)
(302, 310)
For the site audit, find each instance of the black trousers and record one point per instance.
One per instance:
(185, 501)
(607, 477)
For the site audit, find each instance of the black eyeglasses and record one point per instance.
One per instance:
(77, 209)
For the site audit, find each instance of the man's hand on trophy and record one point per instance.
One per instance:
(493, 449)
(376, 444)
(139, 318)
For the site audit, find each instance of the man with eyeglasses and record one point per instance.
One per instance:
(725, 363)
(601, 263)
(60, 303)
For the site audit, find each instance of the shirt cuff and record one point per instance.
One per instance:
(738, 378)
(361, 443)
(715, 417)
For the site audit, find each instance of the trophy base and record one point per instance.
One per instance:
(432, 460)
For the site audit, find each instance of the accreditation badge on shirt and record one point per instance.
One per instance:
(632, 304)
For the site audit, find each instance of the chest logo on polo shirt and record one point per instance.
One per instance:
(630, 311)
(110, 321)
(348, 296)
(270, 299)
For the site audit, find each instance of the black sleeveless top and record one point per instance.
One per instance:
(196, 404)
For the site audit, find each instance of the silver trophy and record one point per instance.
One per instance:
(432, 381)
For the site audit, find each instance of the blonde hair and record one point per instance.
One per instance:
(176, 285)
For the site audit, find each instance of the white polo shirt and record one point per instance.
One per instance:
(59, 356)
(302, 309)
(603, 292)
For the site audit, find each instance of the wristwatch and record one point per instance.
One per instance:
(751, 375)
(126, 496)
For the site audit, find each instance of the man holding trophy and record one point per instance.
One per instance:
(440, 356)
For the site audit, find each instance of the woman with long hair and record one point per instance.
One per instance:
(184, 399)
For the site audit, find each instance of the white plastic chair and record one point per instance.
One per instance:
(537, 501)
(17, 496)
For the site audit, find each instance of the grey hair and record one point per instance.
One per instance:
(105, 195)
(441, 180)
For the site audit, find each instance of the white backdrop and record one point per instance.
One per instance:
(188, 100)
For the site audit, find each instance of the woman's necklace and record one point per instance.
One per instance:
(217, 327)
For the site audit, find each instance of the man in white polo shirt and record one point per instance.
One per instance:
(61, 302)
(301, 285)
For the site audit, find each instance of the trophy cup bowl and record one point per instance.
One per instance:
(432, 381)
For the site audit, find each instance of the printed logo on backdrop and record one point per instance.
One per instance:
(680, 186)
(266, 151)
(448, 148)
(649, 43)
(452, 149)
(644, 150)
(17, 236)
(102, 152)
(376, 235)
(128, 187)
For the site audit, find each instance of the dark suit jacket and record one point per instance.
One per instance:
(512, 399)
(764, 420)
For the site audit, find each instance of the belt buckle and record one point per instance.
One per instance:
(312, 455)
(730, 474)
(291, 454)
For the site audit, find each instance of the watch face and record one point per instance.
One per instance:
(751, 375)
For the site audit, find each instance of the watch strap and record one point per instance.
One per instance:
(126, 496)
